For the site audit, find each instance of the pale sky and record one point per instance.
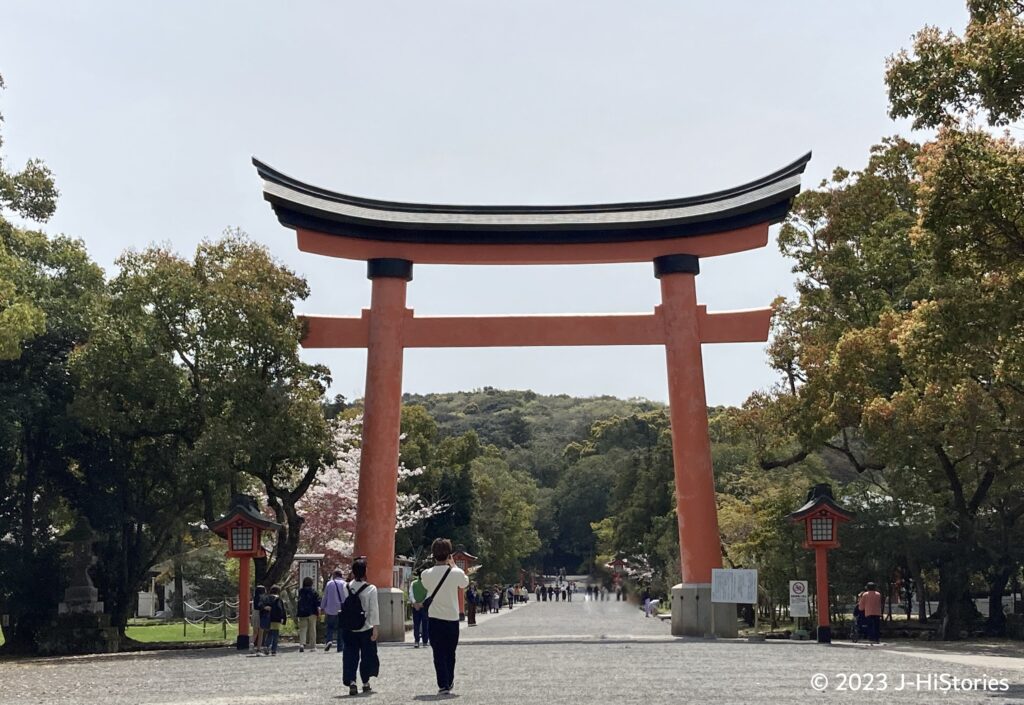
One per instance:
(148, 113)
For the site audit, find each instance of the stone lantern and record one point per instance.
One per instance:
(243, 527)
(821, 517)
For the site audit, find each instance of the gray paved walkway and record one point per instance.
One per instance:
(550, 653)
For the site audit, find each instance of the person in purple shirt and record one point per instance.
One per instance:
(334, 593)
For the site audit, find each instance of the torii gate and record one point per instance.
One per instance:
(673, 234)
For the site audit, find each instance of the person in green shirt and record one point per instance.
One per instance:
(420, 623)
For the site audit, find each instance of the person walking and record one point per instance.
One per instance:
(471, 598)
(334, 593)
(273, 606)
(257, 614)
(359, 618)
(443, 581)
(420, 623)
(870, 603)
(306, 612)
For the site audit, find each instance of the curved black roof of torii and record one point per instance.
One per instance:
(301, 205)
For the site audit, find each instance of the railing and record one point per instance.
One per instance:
(210, 611)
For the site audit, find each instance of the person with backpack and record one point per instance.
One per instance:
(306, 612)
(273, 607)
(359, 619)
(334, 595)
(442, 605)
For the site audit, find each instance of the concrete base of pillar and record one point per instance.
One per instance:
(694, 614)
(391, 602)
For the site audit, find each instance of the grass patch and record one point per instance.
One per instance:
(175, 631)
(152, 631)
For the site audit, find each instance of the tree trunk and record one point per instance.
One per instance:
(953, 587)
(178, 607)
(996, 625)
(287, 544)
(922, 596)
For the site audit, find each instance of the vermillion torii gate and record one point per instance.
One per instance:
(673, 234)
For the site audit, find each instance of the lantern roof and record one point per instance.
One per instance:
(820, 497)
(80, 532)
(301, 205)
(244, 508)
(464, 552)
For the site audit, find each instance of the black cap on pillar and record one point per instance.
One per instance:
(386, 267)
(676, 264)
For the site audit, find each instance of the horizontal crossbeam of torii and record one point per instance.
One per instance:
(749, 326)
(673, 234)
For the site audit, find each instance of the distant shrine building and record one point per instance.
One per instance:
(672, 234)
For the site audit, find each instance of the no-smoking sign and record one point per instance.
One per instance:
(798, 606)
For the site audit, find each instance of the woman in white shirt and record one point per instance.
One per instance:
(443, 611)
(360, 645)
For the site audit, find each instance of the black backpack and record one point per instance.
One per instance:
(277, 611)
(353, 617)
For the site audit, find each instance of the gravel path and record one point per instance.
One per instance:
(552, 653)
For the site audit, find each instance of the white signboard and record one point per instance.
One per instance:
(738, 586)
(798, 606)
(309, 569)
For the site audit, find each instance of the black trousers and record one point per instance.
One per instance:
(444, 639)
(874, 627)
(359, 650)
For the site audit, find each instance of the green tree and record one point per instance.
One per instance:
(451, 466)
(948, 76)
(191, 391)
(36, 429)
(904, 342)
(503, 518)
(580, 499)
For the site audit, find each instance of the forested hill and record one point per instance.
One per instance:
(526, 475)
(518, 421)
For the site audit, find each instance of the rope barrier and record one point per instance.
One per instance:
(217, 613)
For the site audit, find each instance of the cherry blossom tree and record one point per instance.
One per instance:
(329, 506)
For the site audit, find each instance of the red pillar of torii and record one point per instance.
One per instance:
(673, 234)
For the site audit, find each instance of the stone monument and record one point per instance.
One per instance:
(80, 627)
(81, 596)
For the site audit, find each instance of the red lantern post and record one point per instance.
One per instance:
(821, 516)
(243, 527)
